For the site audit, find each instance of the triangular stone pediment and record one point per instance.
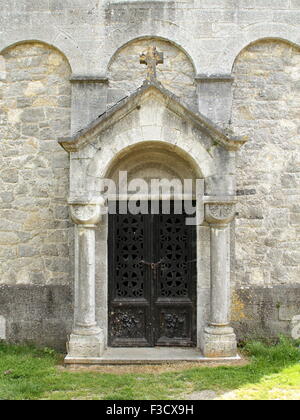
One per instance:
(159, 97)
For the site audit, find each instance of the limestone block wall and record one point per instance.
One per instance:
(34, 112)
(266, 107)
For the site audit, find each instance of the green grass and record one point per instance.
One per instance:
(27, 373)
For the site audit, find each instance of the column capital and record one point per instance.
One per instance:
(86, 212)
(220, 214)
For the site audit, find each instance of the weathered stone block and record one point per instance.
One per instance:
(10, 176)
(288, 311)
(265, 312)
(295, 327)
(32, 115)
(219, 342)
(2, 328)
(86, 346)
(27, 251)
(40, 314)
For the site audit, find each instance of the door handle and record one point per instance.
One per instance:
(153, 266)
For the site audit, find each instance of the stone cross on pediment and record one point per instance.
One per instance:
(152, 58)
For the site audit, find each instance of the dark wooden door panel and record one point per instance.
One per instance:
(129, 281)
(130, 325)
(152, 280)
(174, 325)
(175, 283)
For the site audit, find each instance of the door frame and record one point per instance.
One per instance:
(152, 301)
(203, 275)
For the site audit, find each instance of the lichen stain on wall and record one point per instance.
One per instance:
(237, 308)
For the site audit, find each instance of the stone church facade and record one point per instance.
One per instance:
(76, 107)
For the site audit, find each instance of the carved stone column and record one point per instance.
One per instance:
(87, 339)
(220, 340)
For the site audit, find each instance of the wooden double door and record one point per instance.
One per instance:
(152, 279)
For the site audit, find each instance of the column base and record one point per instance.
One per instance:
(86, 345)
(219, 341)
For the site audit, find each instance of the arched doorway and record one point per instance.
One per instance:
(152, 252)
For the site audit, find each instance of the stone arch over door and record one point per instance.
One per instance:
(101, 165)
(154, 156)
